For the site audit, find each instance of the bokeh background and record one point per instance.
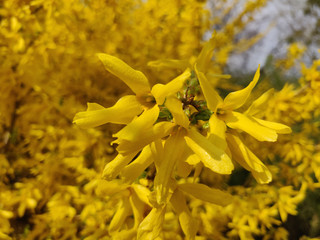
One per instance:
(50, 170)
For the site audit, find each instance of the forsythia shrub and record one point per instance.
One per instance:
(198, 157)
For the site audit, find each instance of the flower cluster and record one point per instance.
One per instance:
(177, 128)
(184, 159)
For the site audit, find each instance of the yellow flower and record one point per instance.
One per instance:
(289, 199)
(260, 129)
(224, 109)
(122, 112)
(140, 130)
(184, 143)
(188, 224)
(170, 153)
(132, 201)
(224, 114)
(247, 159)
(128, 107)
(144, 133)
(151, 226)
(210, 154)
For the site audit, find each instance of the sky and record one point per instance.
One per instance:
(285, 17)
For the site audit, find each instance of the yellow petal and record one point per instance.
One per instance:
(247, 124)
(135, 80)
(183, 167)
(151, 226)
(259, 104)
(193, 159)
(217, 134)
(157, 151)
(211, 156)
(160, 91)
(188, 224)
(175, 107)
(133, 130)
(132, 171)
(248, 159)
(113, 168)
(197, 171)
(124, 234)
(96, 106)
(205, 193)
(262, 177)
(241, 152)
(173, 149)
(236, 99)
(138, 208)
(142, 193)
(283, 213)
(211, 96)
(278, 127)
(205, 55)
(123, 211)
(105, 188)
(169, 63)
(211, 75)
(146, 136)
(121, 113)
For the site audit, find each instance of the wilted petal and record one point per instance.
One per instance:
(175, 107)
(121, 113)
(236, 99)
(160, 91)
(135, 80)
(205, 193)
(188, 224)
(211, 96)
(211, 156)
(249, 125)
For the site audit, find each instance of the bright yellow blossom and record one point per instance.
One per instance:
(174, 170)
